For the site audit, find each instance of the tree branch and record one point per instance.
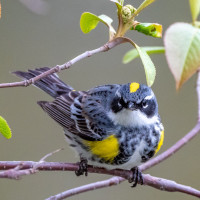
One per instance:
(29, 167)
(158, 183)
(59, 166)
(169, 186)
(85, 188)
(19, 170)
(109, 45)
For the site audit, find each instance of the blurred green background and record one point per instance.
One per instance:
(28, 40)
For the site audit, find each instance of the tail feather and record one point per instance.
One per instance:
(50, 84)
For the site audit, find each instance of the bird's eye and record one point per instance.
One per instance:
(144, 104)
(121, 101)
(117, 104)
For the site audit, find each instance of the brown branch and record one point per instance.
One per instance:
(109, 45)
(85, 188)
(169, 186)
(155, 182)
(20, 170)
(29, 167)
(17, 172)
(58, 166)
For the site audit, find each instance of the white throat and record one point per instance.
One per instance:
(131, 118)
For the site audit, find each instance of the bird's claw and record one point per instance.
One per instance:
(136, 177)
(83, 168)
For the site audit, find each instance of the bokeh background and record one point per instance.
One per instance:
(29, 40)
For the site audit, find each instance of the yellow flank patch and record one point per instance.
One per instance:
(160, 142)
(106, 149)
(134, 87)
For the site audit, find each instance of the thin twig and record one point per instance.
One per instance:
(109, 45)
(155, 182)
(169, 186)
(21, 168)
(17, 172)
(50, 154)
(85, 188)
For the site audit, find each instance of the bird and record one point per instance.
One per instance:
(115, 126)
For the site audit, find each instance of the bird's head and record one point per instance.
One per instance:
(133, 103)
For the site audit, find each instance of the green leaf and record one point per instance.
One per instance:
(133, 53)
(151, 29)
(4, 128)
(119, 3)
(149, 67)
(90, 21)
(143, 5)
(182, 46)
(195, 9)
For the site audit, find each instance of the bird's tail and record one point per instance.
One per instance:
(51, 84)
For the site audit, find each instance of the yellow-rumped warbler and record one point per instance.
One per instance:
(112, 126)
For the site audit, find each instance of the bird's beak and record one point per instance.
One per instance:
(132, 106)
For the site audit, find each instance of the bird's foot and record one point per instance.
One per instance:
(83, 168)
(136, 177)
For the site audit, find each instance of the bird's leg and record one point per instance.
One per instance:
(82, 167)
(136, 177)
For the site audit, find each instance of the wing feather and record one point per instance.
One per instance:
(83, 113)
(61, 111)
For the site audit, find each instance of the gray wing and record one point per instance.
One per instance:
(83, 113)
(60, 111)
(68, 110)
(96, 106)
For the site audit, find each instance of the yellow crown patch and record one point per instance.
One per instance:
(134, 87)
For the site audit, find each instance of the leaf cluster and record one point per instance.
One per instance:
(126, 22)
